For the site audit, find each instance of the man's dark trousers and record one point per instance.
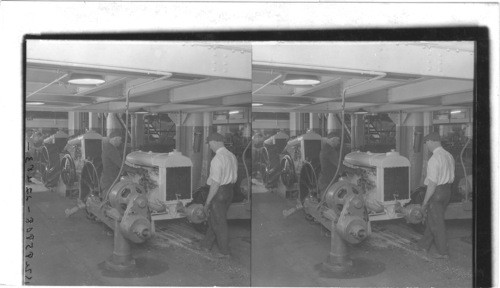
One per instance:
(435, 230)
(217, 222)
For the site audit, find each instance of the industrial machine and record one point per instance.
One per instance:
(167, 182)
(384, 179)
(81, 167)
(301, 156)
(342, 210)
(49, 156)
(269, 156)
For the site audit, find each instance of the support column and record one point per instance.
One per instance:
(74, 123)
(357, 131)
(206, 151)
(192, 144)
(113, 124)
(139, 129)
(314, 123)
(333, 124)
(94, 122)
(296, 124)
(411, 145)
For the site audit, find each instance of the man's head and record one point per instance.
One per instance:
(432, 141)
(215, 141)
(115, 138)
(333, 139)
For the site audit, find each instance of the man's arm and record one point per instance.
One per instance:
(431, 187)
(211, 193)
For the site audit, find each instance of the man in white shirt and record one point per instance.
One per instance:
(223, 175)
(440, 176)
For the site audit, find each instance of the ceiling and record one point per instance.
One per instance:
(375, 76)
(157, 76)
(165, 76)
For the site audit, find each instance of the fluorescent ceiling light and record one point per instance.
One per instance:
(34, 103)
(257, 104)
(296, 79)
(360, 111)
(85, 79)
(141, 111)
(455, 111)
(234, 112)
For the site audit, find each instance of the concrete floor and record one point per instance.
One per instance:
(70, 251)
(287, 252)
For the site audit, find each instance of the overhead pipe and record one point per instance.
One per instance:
(127, 95)
(57, 80)
(380, 75)
(149, 82)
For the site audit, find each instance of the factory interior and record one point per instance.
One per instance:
(292, 220)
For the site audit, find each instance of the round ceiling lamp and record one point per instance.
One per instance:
(34, 103)
(301, 80)
(257, 104)
(85, 79)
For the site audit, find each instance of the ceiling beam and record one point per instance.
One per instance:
(240, 99)
(211, 89)
(428, 89)
(175, 108)
(155, 57)
(281, 99)
(101, 87)
(457, 99)
(368, 56)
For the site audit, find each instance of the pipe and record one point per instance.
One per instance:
(127, 96)
(265, 85)
(58, 79)
(381, 75)
(465, 171)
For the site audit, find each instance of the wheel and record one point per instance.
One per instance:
(264, 165)
(287, 174)
(308, 182)
(68, 170)
(89, 182)
(44, 164)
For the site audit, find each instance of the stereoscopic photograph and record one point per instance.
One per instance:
(226, 163)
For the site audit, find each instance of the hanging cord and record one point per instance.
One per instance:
(127, 102)
(323, 194)
(249, 181)
(465, 171)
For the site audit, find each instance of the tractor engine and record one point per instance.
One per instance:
(385, 182)
(167, 182)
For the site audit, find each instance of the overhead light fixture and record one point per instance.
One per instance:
(257, 104)
(456, 111)
(141, 111)
(85, 79)
(234, 112)
(360, 111)
(297, 79)
(34, 103)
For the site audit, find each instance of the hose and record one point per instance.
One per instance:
(127, 101)
(245, 164)
(323, 195)
(465, 171)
